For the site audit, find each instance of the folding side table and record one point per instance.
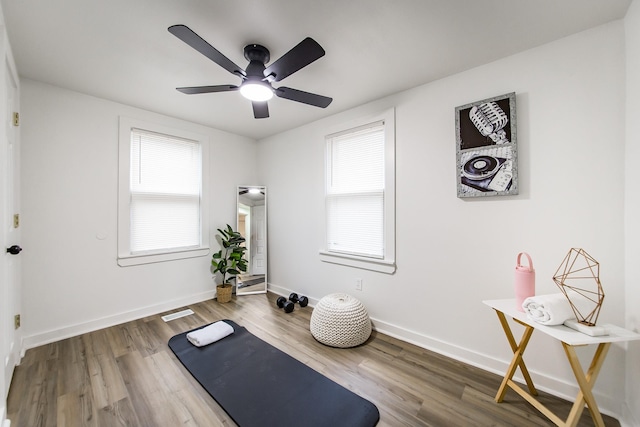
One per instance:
(570, 339)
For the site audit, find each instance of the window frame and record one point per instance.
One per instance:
(387, 264)
(125, 257)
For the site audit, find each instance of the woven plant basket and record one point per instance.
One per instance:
(223, 293)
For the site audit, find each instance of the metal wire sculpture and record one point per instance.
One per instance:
(579, 266)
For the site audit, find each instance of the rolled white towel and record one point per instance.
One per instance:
(210, 334)
(553, 309)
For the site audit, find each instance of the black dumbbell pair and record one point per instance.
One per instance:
(289, 305)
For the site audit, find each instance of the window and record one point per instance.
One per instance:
(162, 208)
(359, 196)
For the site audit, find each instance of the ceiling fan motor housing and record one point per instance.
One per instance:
(256, 52)
(257, 56)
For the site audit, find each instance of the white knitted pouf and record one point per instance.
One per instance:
(340, 320)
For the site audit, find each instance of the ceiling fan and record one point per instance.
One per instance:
(257, 78)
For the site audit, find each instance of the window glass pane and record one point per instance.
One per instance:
(357, 161)
(163, 164)
(355, 191)
(357, 224)
(164, 223)
(165, 192)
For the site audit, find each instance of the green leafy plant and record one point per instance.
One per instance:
(229, 261)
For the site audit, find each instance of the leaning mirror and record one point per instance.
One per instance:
(252, 225)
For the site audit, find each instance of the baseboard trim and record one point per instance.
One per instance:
(628, 419)
(543, 381)
(285, 292)
(105, 322)
(4, 422)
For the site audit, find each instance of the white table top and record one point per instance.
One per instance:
(561, 332)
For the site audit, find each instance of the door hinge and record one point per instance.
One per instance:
(16, 118)
(16, 321)
(16, 220)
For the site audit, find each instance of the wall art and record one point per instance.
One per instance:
(486, 152)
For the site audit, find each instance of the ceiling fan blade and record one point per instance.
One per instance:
(207, 89)
(301, 55)
(185, 34)
(304, 97)
(260, 109)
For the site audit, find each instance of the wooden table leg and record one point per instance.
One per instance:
(586, 383)
(517, 361)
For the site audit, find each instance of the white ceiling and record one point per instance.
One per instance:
(121, 49)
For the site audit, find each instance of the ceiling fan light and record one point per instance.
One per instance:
(256, 91)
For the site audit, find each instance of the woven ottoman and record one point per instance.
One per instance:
(340, 320)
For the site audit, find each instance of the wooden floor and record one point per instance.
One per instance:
(127, 376)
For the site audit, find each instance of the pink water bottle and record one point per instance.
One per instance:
(525, 281)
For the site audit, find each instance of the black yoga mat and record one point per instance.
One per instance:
(260, 386)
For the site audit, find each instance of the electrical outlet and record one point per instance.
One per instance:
(358, 284)
(16, 321)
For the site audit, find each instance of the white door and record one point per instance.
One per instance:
(10, 232)
(259, 231)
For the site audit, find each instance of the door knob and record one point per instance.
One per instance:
(14, 250)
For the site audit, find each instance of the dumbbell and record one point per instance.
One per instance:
(287, 305)
(302, 300)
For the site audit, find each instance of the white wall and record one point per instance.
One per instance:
(454, 253)
(631, 411)
(71, 281)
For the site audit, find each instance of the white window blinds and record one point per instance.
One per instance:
(355, 191)
(165, 192)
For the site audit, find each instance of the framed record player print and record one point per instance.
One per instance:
(486, 154)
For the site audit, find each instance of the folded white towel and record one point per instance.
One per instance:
(210, 334)
(554, 309)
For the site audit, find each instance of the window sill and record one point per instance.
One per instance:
(379, 265)
(129, 260)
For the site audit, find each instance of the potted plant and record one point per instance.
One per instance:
(229, 261)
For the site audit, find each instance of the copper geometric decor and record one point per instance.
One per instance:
(578, 277)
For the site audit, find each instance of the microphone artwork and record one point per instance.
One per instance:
(490, 120)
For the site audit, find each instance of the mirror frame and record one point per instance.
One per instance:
(256, 240)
